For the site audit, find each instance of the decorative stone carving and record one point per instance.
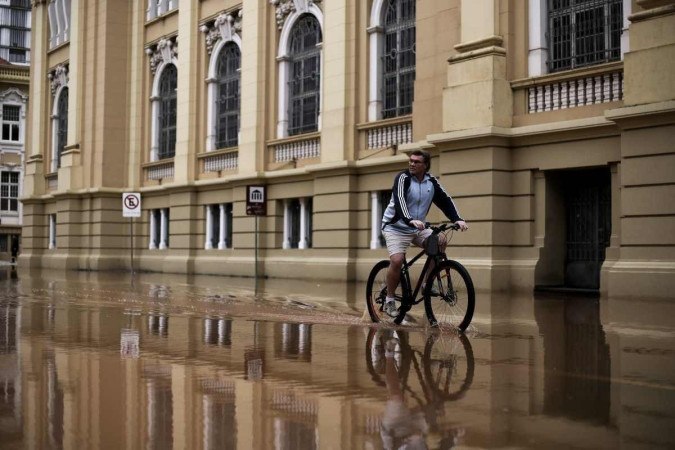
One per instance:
(285, 7)
(58, 77)
(163, 52)
(224, 27)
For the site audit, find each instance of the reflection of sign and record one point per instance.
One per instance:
(130, 344)
(256, 201)
(254, 365)
(131, 204)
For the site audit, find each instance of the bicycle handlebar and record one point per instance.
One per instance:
(442, 227)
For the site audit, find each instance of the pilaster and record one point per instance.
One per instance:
(186, 102)
(338, 81)
(478, 93)
(253, 88)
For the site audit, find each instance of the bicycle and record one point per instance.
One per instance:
(449, 295)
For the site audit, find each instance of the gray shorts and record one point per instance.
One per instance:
(399, 242)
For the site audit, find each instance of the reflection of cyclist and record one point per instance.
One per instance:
(403, 221)
(401, 428)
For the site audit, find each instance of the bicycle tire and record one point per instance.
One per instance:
(376, 291)
(454, 300)
(448, 369)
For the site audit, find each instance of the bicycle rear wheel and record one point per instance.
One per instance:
(448, 365)
(376, 292)
(449, 296)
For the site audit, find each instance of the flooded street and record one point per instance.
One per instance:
(101, 360)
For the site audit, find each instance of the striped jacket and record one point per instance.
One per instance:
(411, 200)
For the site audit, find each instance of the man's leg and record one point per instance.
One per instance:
(394, 273)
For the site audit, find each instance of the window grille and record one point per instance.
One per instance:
(62, 125)
(229, 61)
(398, 58)
(304, 87)
(167, 112)
(9, 191)
(10, 122)
(583, 33)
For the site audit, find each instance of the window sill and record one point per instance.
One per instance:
(567, 74)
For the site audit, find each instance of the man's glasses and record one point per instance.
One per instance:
(414, 161)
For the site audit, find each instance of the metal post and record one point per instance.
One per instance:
(256, 253)
(131, 224)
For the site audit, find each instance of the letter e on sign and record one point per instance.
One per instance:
(131, 204)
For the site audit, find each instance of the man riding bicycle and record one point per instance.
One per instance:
(403, 222)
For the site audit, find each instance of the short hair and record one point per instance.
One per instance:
(426, 156)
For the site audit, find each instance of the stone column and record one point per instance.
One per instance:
(153, 230)
(375, 220)
(222, 243)
(208, 245)
(303, 224)
(287, 225)
(164, 229)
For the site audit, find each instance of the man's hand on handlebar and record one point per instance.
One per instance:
(462, 225)
(417, 224)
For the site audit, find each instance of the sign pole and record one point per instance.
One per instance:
(256, 253)
(131, 225)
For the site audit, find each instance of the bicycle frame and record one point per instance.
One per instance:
(410, 298)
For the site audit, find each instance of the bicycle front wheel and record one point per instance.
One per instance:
(376, 293)
(449, 296)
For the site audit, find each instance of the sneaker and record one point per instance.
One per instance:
(390, 308)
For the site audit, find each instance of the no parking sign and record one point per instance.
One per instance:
(131, 204)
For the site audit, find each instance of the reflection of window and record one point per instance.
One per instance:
(218, 226)
(158, 324)
(293, 340)
(9, 191)
(159, 228)
(295, 421)
(305, 74)
(218, 331)
(10, 122)
(220, 426)
(54, 405)
(583, 33)
(398, 58)
(298, 223)
(160, 412)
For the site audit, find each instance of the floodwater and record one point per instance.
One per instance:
(103, 360)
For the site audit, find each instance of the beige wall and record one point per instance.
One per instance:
(470, 110)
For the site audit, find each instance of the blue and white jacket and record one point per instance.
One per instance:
(411, 200)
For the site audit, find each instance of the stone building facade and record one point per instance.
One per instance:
(550, 123)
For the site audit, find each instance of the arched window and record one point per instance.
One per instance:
(305, 75)
(61, 125)
(227, 102)
(167, 112)
(398, 58)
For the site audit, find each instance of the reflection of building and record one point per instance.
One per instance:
(275, 385)
(516, 102)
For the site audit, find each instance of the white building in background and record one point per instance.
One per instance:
(15, 17)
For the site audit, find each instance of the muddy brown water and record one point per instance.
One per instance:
(104, 360)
